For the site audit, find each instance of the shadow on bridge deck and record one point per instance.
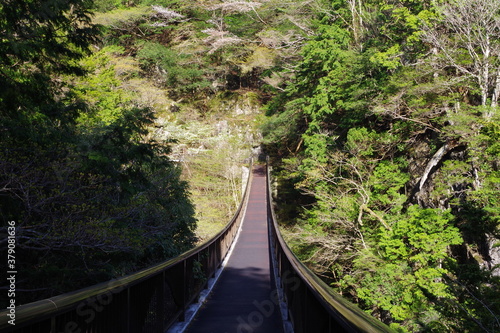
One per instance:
(244, 299)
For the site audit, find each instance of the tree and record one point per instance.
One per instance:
(39, 39)
(466, 37)
(176, 70)
(92, 196)
(384, 136)
(412, 260)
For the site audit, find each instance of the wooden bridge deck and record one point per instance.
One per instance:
(243, 300)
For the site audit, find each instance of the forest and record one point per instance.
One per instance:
(125, 123)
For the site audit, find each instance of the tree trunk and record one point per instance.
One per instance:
(438, 156)
(494, 98)
(357, 20)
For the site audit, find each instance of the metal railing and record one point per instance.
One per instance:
(311, 305)
(151, 300)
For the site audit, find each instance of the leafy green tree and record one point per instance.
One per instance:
(174, 69)
(113, 140)
(92, 196)
(390, 146)
(39, 40)
(413, 258)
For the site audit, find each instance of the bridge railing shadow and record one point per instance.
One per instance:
(307, 303)
(151, 300)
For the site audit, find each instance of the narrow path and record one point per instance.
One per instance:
(243, 300)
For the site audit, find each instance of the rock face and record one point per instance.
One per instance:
(436, 185)
(494, 255)
(237, 103)
(221, 127)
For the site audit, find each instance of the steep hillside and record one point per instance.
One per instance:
(205, 69)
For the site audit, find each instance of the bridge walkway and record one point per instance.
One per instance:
(243, 300)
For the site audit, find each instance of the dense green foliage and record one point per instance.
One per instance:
(97, 97)
(92, 196)
(388, 129)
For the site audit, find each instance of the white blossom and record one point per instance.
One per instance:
(237, 6)
(167, 13)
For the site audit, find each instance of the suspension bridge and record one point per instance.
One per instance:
(243, 280)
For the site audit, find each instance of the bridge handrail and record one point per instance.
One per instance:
(157, 284)
(311, 304)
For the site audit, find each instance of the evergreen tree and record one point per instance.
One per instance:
(386, 138)
(93, 198)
